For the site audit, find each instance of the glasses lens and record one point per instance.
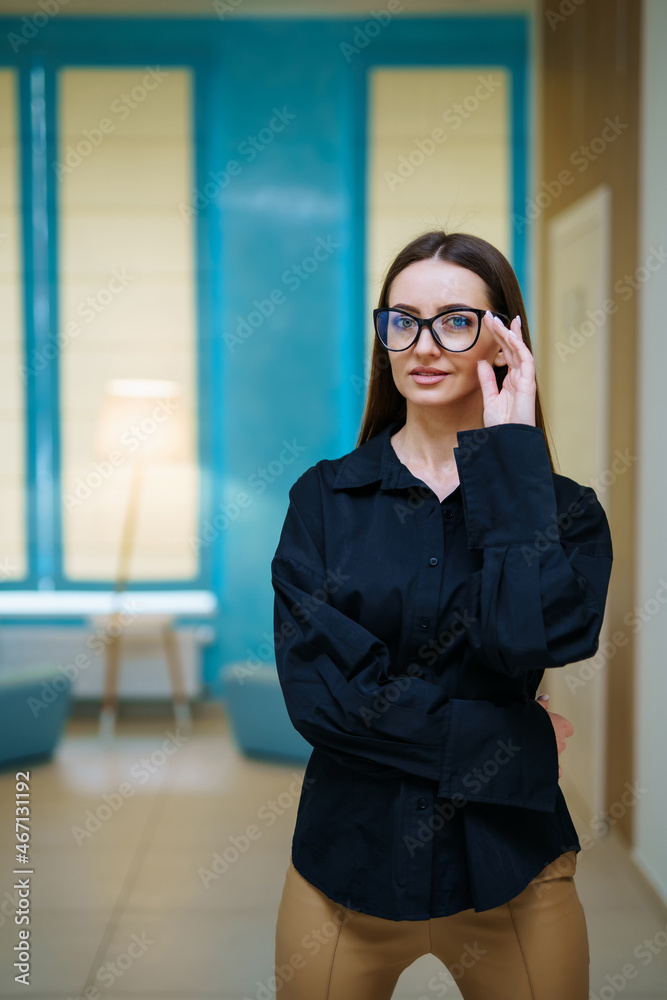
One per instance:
(457, 330)
(395, 329)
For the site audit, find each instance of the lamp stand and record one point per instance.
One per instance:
(112, 661)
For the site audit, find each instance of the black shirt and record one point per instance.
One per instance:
(410, 637)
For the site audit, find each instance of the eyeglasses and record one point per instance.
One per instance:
(454, 329)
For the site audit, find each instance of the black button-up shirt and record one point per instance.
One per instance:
(410, 637)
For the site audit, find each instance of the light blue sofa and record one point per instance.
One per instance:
(35, 704)
(257, 715)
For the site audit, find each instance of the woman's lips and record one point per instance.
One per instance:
(423, 379)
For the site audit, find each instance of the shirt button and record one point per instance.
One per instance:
(422, 804)
(424, 622)
(433, 560)
(447, 512)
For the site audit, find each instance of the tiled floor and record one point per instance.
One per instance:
(126, 900)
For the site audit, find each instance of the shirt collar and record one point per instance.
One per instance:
(375, 460)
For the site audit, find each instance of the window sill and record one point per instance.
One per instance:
(65, 603)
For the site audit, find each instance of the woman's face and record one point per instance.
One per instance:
(425, 289)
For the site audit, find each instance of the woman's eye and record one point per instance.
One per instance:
(459, 322)
(403, 322)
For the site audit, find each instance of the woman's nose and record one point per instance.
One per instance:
(426, 342)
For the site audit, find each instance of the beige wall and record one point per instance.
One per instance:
(431, 166)
(578, 376)
(126, 306)
(650, 734)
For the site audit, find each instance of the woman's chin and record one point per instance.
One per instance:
(427, 395)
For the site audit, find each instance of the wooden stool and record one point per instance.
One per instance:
(143, 624)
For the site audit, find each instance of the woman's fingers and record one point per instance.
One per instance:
(563, 728)
(560, 739)
(511, 340)
(487, 381)
(510, 344)
(566, 726)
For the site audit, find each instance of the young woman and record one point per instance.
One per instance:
(423, 583)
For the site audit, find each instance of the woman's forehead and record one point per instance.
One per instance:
(440, 280)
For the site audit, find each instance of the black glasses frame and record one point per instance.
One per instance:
(429, 323)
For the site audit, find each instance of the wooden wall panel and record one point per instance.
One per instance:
(590, 66)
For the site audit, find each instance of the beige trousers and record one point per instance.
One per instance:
(535, 947)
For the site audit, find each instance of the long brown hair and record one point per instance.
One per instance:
(384, 403)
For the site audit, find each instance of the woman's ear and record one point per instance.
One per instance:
(500, 359)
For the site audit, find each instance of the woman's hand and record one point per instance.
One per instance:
(562, 727)
(515, 402)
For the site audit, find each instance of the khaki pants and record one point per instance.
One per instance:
(535, 947)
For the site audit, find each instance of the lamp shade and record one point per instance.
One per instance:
(143, 419)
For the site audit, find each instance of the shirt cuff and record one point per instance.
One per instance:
(506, 484)
(503, 755)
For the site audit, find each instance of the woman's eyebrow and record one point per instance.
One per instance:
(440, 308)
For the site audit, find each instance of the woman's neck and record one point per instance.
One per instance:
(429, 436)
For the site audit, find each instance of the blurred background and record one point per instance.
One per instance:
(198, 201)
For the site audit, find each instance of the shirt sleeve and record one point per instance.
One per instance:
(538, 600)
(342, 696)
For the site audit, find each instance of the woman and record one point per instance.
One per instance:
(423, 583)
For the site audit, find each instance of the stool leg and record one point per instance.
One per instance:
(111, 673)
(175, 667)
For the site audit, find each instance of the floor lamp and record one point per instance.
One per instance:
(142, 421)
